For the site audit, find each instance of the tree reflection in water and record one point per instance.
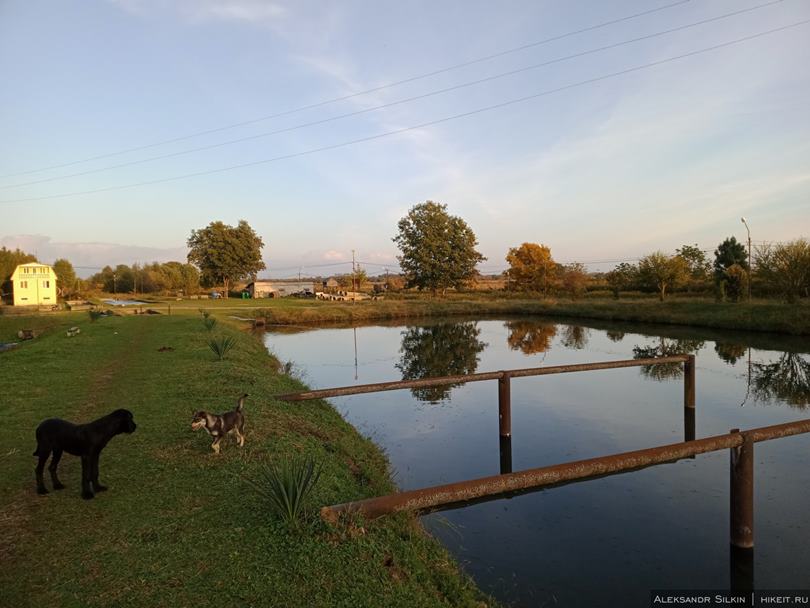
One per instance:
(729, 352)
(787, 379)
(575, 336)
(439, 350)
(529, 337)
(666, 348)
(614, 336)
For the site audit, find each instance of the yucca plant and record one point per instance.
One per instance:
(221, 345)
(210, 323)
(95, 314)
(286, 484)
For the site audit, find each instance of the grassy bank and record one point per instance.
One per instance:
(179, 526)
(767, 316)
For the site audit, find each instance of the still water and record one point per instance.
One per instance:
(605, 542)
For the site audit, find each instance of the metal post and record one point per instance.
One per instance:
(505, 444)
(741, 569)
(689, 424)
(742, 493)
(689, 381)
(504, 405)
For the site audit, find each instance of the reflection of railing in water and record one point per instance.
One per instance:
(504, 378)
(740, 444)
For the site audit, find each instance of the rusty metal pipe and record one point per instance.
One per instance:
(444, 380)
(742, 492)
(504, 405)
(454, 493)
(689, 381)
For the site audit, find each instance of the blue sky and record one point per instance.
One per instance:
(610, 170)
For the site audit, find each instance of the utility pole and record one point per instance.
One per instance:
(354, 291)
(750, 268)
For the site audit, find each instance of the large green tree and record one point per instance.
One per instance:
(438, 249)
(225, 254)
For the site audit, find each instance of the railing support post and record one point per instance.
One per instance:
(689, 382)
(505, 448)
(504, 405)
(742, 493)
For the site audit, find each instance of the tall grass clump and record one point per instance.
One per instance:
(221, 345)
(285, 485)
(210, 323)
(95, 314)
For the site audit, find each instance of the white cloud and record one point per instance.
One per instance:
(256, 12)
(90, 257)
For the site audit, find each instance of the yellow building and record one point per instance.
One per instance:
(34, 284)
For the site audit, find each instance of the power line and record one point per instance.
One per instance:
(400, 101)
(418, 126)
(357, 93)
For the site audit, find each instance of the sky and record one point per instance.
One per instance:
(602, 157)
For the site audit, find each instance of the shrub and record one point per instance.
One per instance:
(221, 345)
(95, 314)
(210, 323)
(285, 486)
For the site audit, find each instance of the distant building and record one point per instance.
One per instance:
(33, 284)
(279, 289)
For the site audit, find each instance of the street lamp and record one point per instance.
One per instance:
(750, 268)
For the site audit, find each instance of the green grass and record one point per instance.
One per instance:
(179, 526)
(771, 316)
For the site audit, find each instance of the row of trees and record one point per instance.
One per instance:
(169, 277)
(438, 251)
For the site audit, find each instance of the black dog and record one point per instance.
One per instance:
(219, 425)
(85, 440)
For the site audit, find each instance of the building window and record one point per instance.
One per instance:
(46, 283)
(24, 284)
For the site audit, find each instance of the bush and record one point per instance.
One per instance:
(95, 314)
(285, 486)
(221, 345)
(210, 323)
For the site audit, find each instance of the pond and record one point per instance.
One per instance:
(113, 302)
(604, 542)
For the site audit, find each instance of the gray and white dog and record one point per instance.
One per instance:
(219, 425)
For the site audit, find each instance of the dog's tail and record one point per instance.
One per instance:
(241, 402)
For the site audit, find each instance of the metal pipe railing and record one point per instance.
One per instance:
(497, 486)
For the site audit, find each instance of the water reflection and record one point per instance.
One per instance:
(446, 349)
(575, 336)
(666, 347)
(530, 337)
(609, 541)
(786, 379)
(730, 352)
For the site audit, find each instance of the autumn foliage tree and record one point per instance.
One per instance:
(531, 268)
(438, 249)
(225, 254)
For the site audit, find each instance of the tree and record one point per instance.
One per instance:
(9, 260)
(697, 262)
(573, 279)
(785, 267)
(662, 272)
(622, 278)
(438, 249)
(225, 254)
(728, 253)
(531, 268)
(65, 277)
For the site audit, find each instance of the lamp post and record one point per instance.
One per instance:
(750, 268)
